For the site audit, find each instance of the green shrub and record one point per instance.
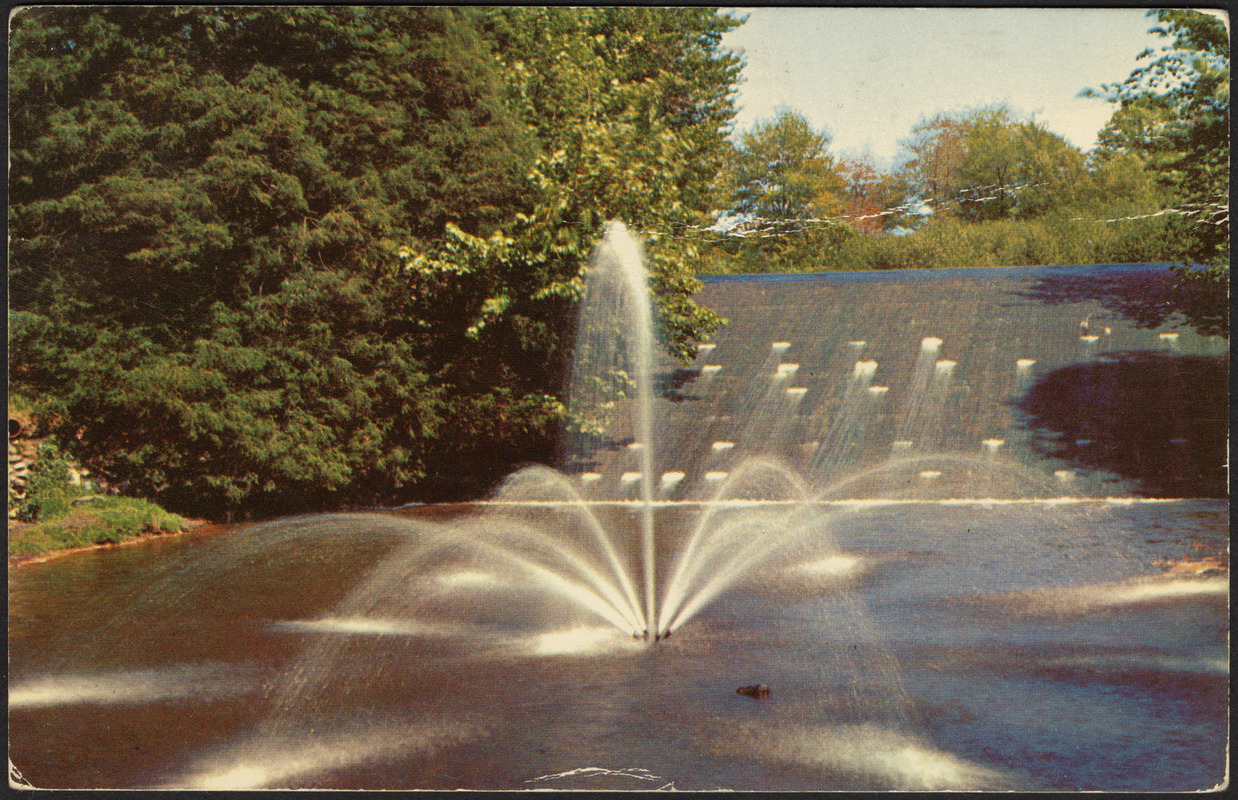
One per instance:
(127, 517)
(49, 495)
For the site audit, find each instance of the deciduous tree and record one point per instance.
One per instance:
(1173, 112)
(868, 194)
(782, 171)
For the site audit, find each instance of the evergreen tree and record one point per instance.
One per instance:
(205, 209)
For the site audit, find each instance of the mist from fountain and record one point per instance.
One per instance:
(750, 507)
(547, 527)
(840, 437)
(543, 528)
(610, 393)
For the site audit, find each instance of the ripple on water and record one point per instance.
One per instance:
(889, 756)
(1157, 589)
(288, 761)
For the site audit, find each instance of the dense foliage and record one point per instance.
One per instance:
(272, 259)
(1173, 115)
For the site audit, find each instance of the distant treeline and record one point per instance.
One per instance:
(985, 188)
(949, 241)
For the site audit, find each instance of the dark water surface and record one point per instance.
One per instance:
(1012, 573)
(935, 646)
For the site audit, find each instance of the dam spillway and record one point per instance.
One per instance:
(1002, 362)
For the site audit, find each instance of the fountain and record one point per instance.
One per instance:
(945, 580)
(611, 383)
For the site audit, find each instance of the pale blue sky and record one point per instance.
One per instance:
(867, 75)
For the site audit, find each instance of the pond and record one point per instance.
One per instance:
(969, 528)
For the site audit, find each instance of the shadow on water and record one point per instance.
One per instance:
(1148, 298)
(1155, 418)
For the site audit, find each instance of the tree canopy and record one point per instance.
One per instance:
(987, 164)
(268, 259)
(782, 170)
(1173, 115)
(787, 192)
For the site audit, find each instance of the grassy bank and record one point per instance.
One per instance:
(56, 512)
(103, 520)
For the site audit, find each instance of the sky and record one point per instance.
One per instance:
(867, 75)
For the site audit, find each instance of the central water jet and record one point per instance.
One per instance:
(614, 359)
